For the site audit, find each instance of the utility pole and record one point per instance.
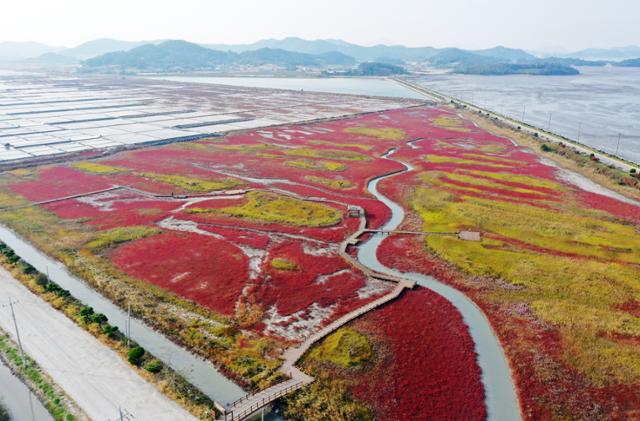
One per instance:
(579, 130)
(618, 145)
(15, 324)
(128, 325)
(549, 123)
(524, 109)
(124, 415)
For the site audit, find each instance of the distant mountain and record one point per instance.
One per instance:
(169, 55)
(101, 46)
(510, 55)
(612, 54)
(359, 52)
(634, 62)
(15, 51)
(182, 55)
(281, 57)
(452, 57)
(372, 53)
(500, 61)
(53, 59)
(293, 51)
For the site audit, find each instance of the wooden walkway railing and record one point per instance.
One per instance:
(249, 404)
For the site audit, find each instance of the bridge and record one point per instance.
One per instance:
(463, 235)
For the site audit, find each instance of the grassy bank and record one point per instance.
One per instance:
(4, 413)
(165, 379)
(59, 405)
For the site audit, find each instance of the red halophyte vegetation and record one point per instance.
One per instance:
(430, 371)
(202, 268)
(632, 307)
(321, 277)
(55, 182)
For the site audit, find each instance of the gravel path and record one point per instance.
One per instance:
(93, 375)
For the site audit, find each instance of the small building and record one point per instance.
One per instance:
(469, 235)
(355, 211)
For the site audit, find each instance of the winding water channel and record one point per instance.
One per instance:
(500, 396)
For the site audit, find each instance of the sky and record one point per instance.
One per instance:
(558, 25)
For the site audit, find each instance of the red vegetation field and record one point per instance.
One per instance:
(429, 372)
(204, 269)
(54, 182)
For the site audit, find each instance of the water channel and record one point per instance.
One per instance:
(196, 370)
(18, 399)
(500, 396)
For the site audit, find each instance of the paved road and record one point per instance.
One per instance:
(92, 374)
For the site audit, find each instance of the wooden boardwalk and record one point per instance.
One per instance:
(60, 199)
(409, 232)
(249, 404)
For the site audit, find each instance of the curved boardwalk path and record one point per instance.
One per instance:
(249, 404)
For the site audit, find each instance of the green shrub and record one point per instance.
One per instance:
(86, 311)
(42, 280)
(99, 318)
(545, 148)
(110, 331)
(55, 288)
(27, 269)
(135, 355)
(153, 366)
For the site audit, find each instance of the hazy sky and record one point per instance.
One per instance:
(532, 24)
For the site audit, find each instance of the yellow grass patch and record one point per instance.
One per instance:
(492, 158)
(281, 263)
(194, 184)
(120, 235)
(316, 165)
(330, 182)
(97, 168)
(450, 123)
(384, 133)
(346, 347)
(439, 159)
(341, 145)
(340, 155)
(579, 296)
(270, 207)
